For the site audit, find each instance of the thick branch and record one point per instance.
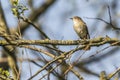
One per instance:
(91, 42)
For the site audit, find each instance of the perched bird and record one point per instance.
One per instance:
(80, 27)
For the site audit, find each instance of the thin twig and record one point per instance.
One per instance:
(112, 74)
(110, 17)
(50, 71)
(109, 12)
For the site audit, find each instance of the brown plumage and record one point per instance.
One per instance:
(80, 27)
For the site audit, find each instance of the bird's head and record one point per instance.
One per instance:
(76, 19)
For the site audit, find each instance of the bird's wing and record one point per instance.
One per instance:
(87, 32)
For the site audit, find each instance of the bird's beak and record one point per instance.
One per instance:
(71, 18)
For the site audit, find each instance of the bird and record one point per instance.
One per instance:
(80, 28)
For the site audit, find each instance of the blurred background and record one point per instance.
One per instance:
(55, 22)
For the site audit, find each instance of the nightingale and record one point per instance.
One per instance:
(80, 27)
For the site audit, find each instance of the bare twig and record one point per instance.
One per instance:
(112, 74)
(109, 12)
(109, 23)
(39, 50)
(49, 71)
